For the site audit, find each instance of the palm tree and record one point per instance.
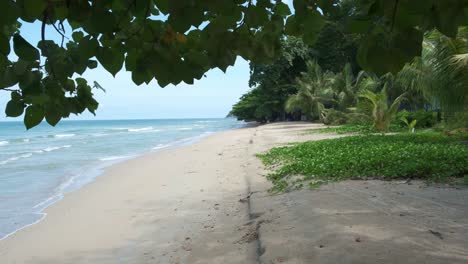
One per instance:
(441, 73)
(347, 86)
(313, 92)
(382, 113)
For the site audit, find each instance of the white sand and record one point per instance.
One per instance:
(191, 205)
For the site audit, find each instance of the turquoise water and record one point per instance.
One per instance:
(38, 166)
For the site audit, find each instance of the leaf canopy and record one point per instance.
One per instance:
(178, 41)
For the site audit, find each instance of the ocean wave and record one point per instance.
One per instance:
(3, 143)
(99, 134)
(183, 141)
(49, 149)
(29, 154)
(64, 135)
(184, 128)
(161, 146)
(39, 207)
(206, 121)
(133, 130)
(58, 193)
(17, 140)
(114, 158)
(22, 156)
(140, 129)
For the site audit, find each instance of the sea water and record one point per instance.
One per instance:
(37, 167)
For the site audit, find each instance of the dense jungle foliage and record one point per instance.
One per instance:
(311, 82)
(424, 102)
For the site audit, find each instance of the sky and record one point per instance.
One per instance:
(210, 97)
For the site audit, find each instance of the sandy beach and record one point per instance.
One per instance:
(208, 203)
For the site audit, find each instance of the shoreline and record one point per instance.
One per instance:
(23, 246)
(208, 202)
(99, 170)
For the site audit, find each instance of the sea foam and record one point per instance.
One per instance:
(49, 149)
(22, 156)
(161, 146)
(64, 135)
(114, 158)
(140, 129)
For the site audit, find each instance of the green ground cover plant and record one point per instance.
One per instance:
(430, 156)
(358, 129)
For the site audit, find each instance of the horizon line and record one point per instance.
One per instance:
(125, 119)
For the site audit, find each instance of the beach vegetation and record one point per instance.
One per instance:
(313, 92)
(383, 113)
(411, 125)
(433, 157)
(353, 96)
(356, 129)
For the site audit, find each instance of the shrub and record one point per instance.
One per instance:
(357, 128)
(424, 119)
(429, 156)
(383, 114)
(456, 120)
(333, 117)
(358, 119)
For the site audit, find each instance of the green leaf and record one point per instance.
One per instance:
(282, 9)
(39, 99)
(92, 64)
(24, 50)
(92, 106)
(4, 45)
(163, 6)
(313, 23)
(20, 67)
(308, 25)
(34, 7)
(10, 12)
(102, 21)
(111, 59)
(33, 117)
(357, 25)
(77, 35)
(52, 115)
(60, 12)
(395, 50)
(14, 108)
(70, 85)
(87, 47)
(141, 76)
(446, 23)
(256, 16)
(119, 5)
(8, 78)
(292, 27)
